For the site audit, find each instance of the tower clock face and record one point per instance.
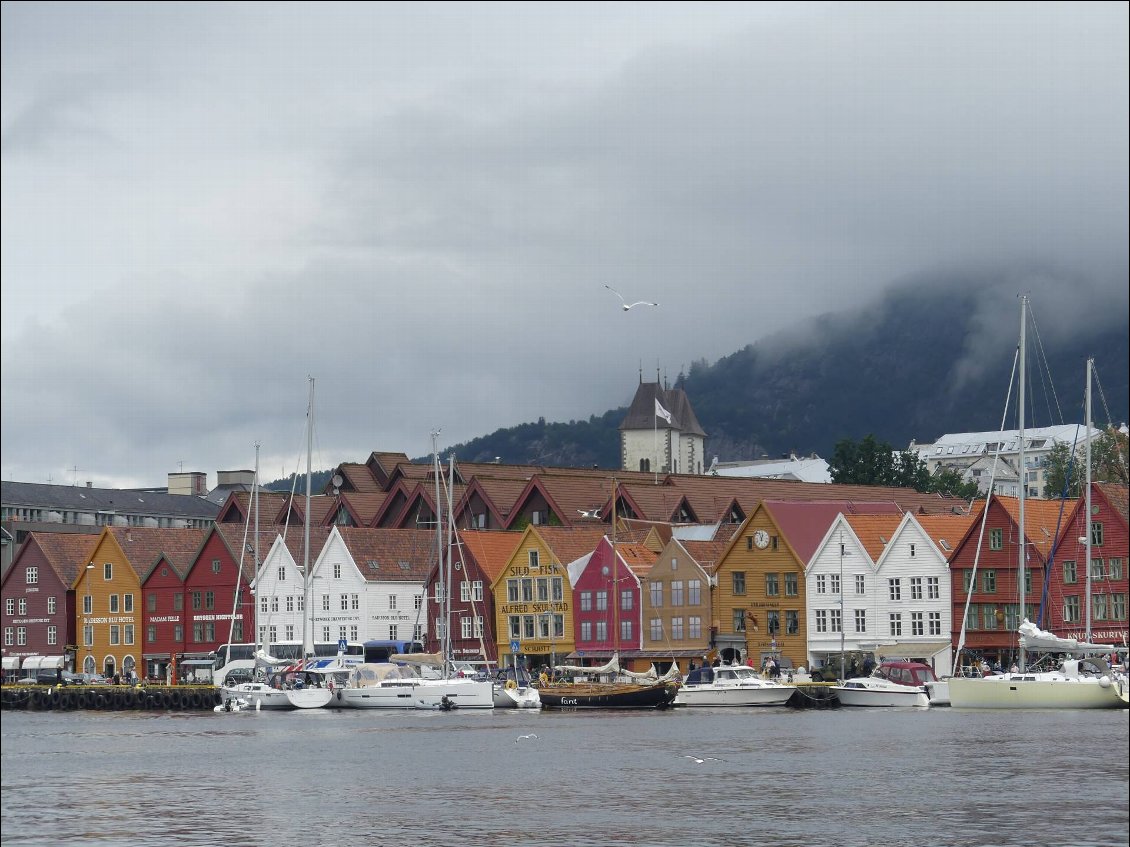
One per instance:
(761, 538)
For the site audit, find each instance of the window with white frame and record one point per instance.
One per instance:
(655, 588)
(860, 583)
(677, 593)
(282, 573)
(821, 620)
(676, 629)
(694, 592)
(935, 623)
(52, 635)
(694, 627)
(586, 601)
(21, 636)
(933, 588)
(337, 570)
(896, 623)
(625, 630)
(31, 576)
(464, 592)
(655, 629)
(821, 583)
(861, 620)
(836, 620)
(917, 626)
(916, 588)
(894, 589)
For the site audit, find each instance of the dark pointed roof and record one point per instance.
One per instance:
(641, 414)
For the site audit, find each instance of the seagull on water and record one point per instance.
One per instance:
(625, 304)
(699, 761)
(520, 737)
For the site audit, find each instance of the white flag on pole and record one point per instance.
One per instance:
(660, 412)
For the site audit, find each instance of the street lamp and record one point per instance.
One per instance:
(88, 609)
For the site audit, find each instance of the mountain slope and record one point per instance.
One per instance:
(922, 361)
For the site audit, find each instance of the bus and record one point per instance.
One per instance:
(379, 651)
(235, 663)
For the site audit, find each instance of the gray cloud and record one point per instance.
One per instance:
(421, 209)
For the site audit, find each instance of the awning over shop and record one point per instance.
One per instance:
(44, 663)
(11, 663)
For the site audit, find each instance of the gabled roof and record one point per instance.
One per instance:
(238, 506)
(638, 558)
(491, 550)
(363, 508)
(569, 543)
(1117, 496)
(381, 466)
(874, 532)
(144, 547)
(946, 531)
(356, 478)
(804, 525)
(391, 555)
(660, 503)
(66, 553)
(234, 537)
(1041, 517)
(706, 553)
(293, 510)
(499, 496)
(575, 495)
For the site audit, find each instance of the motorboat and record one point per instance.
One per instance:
(513, 689)
(387, 685)
(890, 684)
(277, 696)
(731, 685)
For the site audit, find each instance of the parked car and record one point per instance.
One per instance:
(92, 679)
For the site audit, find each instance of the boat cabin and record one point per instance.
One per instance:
(906, 673)
(722, 675)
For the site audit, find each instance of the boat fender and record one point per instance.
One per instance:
(543, 679)
(1104, 682)
(511, 684)
(339, 696)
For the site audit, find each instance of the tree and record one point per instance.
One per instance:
(872, 462)
(1108, 464)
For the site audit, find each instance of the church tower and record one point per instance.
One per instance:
(660, 433)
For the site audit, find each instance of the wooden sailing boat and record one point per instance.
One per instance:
(616, 694)
(1070, 686)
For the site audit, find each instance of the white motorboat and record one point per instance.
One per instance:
(731, 685)
(385, 685)
(514, 690)
(891, 684)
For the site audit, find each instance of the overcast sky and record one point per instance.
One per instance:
(420, 205)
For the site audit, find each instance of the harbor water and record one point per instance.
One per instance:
(766, 777)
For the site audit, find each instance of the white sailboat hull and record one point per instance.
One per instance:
(419, 694)
(1037, 691)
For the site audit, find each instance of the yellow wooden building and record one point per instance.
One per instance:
(533, 597)
(759, 603)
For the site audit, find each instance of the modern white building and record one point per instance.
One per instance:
(971, 454)
(800, 468)
(880, 585)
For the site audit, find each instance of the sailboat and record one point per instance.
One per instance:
(283, 688)
(636, 694)
(1076, 684)
(392, 685)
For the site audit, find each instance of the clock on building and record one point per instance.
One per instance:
(761, 538)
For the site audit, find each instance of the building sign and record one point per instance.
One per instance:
(533, 608)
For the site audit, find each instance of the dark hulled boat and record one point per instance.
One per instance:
(608, 695)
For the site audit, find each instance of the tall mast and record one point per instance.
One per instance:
(439, 541)
(1020, 570)
(615, 583)
(1087, 499)
(448, 585)
(255, 547)
(307, 623)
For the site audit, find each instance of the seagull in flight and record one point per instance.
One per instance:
(625, 304)
(520, 737)
(589, 513)
(699, 761)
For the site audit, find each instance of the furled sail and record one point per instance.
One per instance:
(1034, 638)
